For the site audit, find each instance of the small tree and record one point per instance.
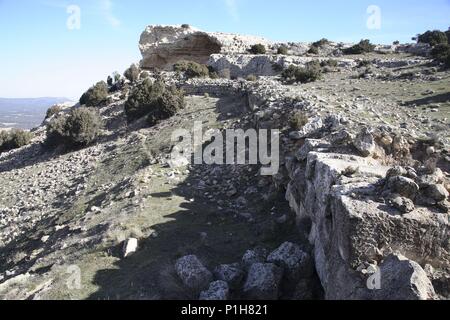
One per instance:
(433, 38)
(155, 100)
(258, 49)
(96, 95)
(79, 129)
(132, 73)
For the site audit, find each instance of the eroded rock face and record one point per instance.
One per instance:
(350, 230)
(162, 46)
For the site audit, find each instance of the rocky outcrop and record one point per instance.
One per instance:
(162, 46)
(353, 233)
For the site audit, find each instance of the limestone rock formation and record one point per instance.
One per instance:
(162, 46)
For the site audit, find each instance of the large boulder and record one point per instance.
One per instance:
(193, 273)
(295, 262)
(263, 282)
(403, 279)
(163, 46)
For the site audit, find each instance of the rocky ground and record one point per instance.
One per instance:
(363, 189)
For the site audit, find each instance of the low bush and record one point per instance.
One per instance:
(364, 46)
(313, 50)
(322, 42)
(132, 73)
(251, 78)
(329, 63)
(433, 38)
(79, 129)
(298, 120)
(52, 111)
(192, 69)
(310, 73)
(156, 100)
(258, 49)
(185, 26)
(96, 95)
(441, 53)
(115, 82)
(283, 50)
(13, 139)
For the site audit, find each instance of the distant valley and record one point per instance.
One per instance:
(25, 113)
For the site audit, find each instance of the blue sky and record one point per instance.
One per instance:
(40, 56)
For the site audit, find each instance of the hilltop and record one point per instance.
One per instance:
(103, 212)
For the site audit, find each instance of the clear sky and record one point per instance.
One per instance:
(41, 56)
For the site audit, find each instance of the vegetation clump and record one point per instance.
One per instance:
(310, 73)
(132, 73)
(192, 69)
(52, 111)
(96, 95)
(313, 50)
(321, 43)
(258, 49)
(156, 100)
(441, 53)
(283, 50)
(79, 128)
(364, 46)
(14, 139)
(433, 38)
(298, 120)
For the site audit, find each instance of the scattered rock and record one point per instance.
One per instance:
(254, 256)
(365, 142)
(217, 291)
(403, 186)
(130, 246)
(192, 272)
(295, 262)
(263, 282)
(230, 273)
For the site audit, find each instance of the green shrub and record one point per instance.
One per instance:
(96, 95)
(132, 73)
(13, 139)
(298, 120)
(156, 100)
(191, 69)
(441, 53)
(310, 73)
(363, 47)
(433, 38)
(329, 63)
(321, 43)
(79, 129)
(52, 111)
(396, 43)
(185, 26)
(258, 49)
(283, 50)
(313, 50)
